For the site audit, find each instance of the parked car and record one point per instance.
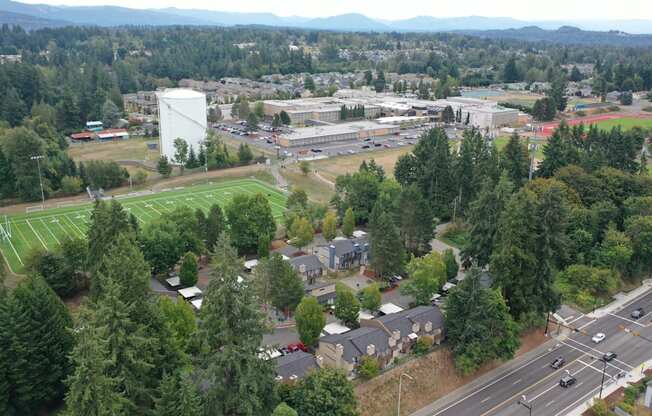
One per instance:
(567, 381)
(598, 338)
(608, 356)
(284, 350)
(558, 363)
(377, 144)
(366, 146)
(637, 313)
(297, 346)
(316, 150)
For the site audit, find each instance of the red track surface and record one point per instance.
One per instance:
(548, 128)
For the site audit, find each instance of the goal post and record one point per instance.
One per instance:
(5, 229)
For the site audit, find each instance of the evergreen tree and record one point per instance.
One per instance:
(284, 117)
(178, 396)
(558, 92)
(215, 225)
(478, 324)
(415, 222)
(515, 160)
(264, 246)
(163, 167)
(286, 288)
(434, 171)
(231, 328)
(128, 346)
(483, 217)
(245, 155)
(192, 162)
(91, 390)
(557, 153)
(386, 247)
(5, 331)
(39, 343)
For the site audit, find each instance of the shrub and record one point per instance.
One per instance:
(423, 345)
(71, 185)
(580, 113)
(647, 109)
(600, 408)
(613, 108)
(369, 367)
(139, 177)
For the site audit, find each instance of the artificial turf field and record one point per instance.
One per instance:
(46, 229)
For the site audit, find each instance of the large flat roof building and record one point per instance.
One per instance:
(309, 136)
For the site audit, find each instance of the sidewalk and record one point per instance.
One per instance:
(632, 377)
(621, 300)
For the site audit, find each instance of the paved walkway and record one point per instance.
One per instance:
(621, 300)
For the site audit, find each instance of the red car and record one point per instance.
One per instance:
(297, 347)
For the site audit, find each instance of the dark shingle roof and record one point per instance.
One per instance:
(355, 342)
(298, 364)
(402, 321)
(345, 246)
(309, 260)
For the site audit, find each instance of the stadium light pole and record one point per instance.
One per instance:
(400, 384)
(40, 179)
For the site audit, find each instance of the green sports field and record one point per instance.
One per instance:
(45, 229)
(626, 123)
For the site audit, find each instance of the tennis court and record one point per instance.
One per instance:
(46, 229)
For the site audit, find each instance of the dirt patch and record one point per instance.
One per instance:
(434, 377)
(333, 167)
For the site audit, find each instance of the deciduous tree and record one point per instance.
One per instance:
(310, 320)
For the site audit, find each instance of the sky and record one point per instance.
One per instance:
(394, 9)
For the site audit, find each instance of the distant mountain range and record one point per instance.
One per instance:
(34, 16)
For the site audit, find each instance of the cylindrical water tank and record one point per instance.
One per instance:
(182, 114)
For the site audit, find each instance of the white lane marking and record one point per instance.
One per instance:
(576, 319)
(598, 351)
(598, 370)
(516, 382)
(549, 403)
(587, 324)
(579, 384)
(626, 319)
(495, 381)
(485, 399)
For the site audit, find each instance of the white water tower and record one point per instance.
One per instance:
(181, 113)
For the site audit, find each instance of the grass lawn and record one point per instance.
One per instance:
(132, 149)
(45, 229)
(501, 142)
(625, 123)
(317, 190)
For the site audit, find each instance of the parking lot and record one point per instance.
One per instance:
(266, 138)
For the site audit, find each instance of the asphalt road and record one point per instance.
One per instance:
(539, 383)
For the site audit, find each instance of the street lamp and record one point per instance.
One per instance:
(38, 166)
(523, 402)
(604, 370)
(400, 383)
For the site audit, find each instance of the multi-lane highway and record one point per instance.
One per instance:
(539, 382)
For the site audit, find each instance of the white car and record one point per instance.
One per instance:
(598, 338)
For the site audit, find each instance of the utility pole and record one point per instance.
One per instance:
(604, 369)
(40, 179)
(523, 402)
(533, 150)
(400, 384)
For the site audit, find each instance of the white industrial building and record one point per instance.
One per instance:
(182, 114)
(356, 130)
